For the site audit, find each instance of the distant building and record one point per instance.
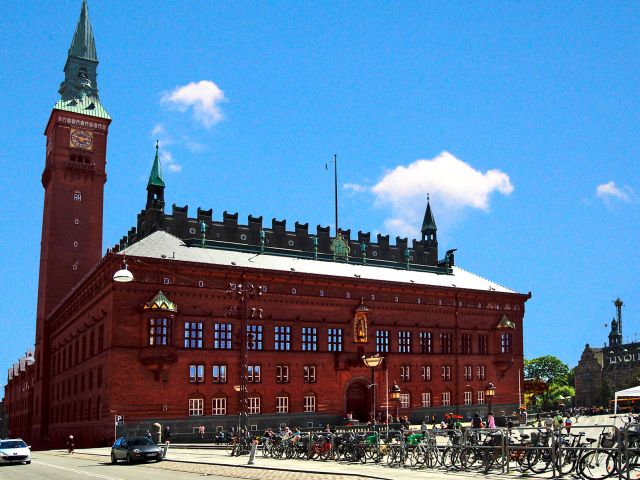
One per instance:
(181, 346)
(602, 371)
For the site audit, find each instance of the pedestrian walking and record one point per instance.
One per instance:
(567, 423)
(491, 420)
(71, 445)
(167, 440)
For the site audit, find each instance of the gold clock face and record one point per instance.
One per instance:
(82, 139)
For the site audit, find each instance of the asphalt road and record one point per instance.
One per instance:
(50, 467)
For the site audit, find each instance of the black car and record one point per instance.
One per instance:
(135, 449)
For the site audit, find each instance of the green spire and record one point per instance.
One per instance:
(79, 90)
(83, 45)
(429, 223)
(155, 178)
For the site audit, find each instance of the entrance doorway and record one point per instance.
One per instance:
(358, 403)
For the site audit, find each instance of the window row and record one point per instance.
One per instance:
(83, 348)
(160, 333)
(72, 386)
(254, 373)
(282, 402)
(445, 372)
(219, 405)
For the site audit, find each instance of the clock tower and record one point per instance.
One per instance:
(73, 179)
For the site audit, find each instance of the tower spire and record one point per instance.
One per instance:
(155, 185)
(83, 45)
(429, 228)
(79, 89)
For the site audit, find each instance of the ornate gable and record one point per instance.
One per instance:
(160, 302)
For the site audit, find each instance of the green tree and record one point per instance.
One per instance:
(548, 368)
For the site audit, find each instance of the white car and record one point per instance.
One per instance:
(14, 450)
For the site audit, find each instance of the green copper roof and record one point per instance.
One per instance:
(161, 302)
(86, 106)
(429, 222)
(79, 89)
(155, 178)
(83, 45)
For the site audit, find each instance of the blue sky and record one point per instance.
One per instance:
(521, 119)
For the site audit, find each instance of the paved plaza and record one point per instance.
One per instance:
(209, 460)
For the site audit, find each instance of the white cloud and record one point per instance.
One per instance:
(159, 132)
(354, 187)
(203, 96)
(610, 191)
(453, 185)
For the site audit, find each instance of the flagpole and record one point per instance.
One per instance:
(335, 187)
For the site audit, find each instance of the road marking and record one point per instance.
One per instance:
(97, 475)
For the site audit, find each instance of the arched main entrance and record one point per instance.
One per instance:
(357, 401)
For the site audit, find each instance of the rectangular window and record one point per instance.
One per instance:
(159, 332)
(196, 373)
(310, 403)
(405, 400)
(282, 338)
(282, 404)
(192, 334)
(445, 343)
(334, 339)
(480, 372)
(77, 196)
(446, 373)
(222, 336)
(405, 373)
(196, 407)
(219, 373)
(506, 343)
(382, 341)
(100, 338)
(467, 398)
(99, 377)
(219, 406)
(309, 339)
(480, 397)
(426, 399)
(253, 373)
(426, 373)
(309, 374)
(426, 342)
(446, 398)
(466, 344)
(282, 374)
(404, 342)
(482, 344)
(253, 405)
(254, 337)
(468, 372)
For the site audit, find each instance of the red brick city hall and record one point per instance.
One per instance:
(194, 321)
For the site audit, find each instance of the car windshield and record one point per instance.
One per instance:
(140, 441)
(13, 444)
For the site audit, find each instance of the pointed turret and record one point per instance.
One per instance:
(429, 229)
(79, 90)
(155, 186)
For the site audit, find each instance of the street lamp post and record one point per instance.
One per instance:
(244, 292)
(394, 395)
(372, 362)
(489, 393)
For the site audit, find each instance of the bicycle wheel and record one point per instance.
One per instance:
(565, 461)
(539, 460)
(471, 458)
(417, 457)
(594, 465)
